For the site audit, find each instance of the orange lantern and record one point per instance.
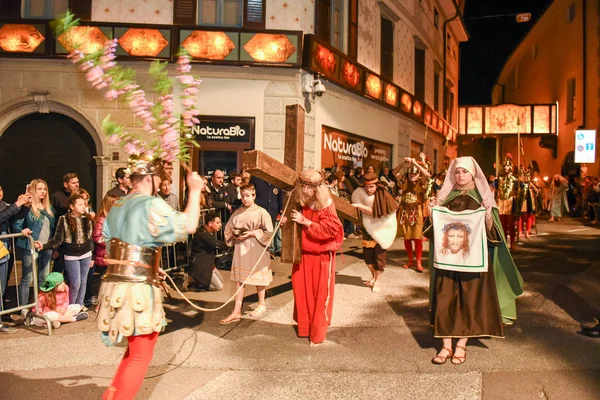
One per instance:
(350, 74)
(208, 45)
(143, 42)
(90, 38)
(417, 108)
(270, 48)
(391, 95)
(325, 59)
(406, 102)
(17, 38)
(373, 86)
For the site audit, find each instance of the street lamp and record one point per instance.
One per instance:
(519, 17)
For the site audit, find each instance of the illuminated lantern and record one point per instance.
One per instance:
(143, 42)
(270, 48)
(208, 45)
(351, 74)
(417, 108)
(16, 38)
(428, 116)
(406, 102)
(373, 86)
(325, 60)
(91, 38)
(391, 95)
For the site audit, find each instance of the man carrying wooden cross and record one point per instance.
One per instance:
(313, 279)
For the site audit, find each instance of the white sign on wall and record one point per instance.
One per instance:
(585, 146)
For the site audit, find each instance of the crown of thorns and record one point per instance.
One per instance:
(307, 182)
(457, 226)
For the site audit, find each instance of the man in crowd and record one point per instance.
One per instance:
(233, 190)
(167, 168)
(218, 193)
(165, 192)
(270, 198)
(202, 260)
(123, 183)
(60, 199)
(313, 280)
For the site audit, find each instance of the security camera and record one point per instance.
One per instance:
(319, 88)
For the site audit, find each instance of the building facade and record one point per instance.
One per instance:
(403, 53)
(557, 62)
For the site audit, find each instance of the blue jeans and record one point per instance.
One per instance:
(276, 243)
(3, 279)
(43, 263)
(78, 271)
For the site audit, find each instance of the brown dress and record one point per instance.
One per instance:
(465, 304)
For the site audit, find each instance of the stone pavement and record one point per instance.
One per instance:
(378, 347)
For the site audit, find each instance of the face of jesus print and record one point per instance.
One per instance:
(456, 239)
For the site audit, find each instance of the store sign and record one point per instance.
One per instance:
(342, 148)
(224, 130)
(585, 146)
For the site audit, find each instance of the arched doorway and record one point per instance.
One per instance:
(46, 146)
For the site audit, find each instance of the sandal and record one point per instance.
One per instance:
(258, 311)
(227, 321)
(419, 267)
(459, 360)
(439, 360)
(408, 265)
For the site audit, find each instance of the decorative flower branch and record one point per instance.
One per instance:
(171, 137)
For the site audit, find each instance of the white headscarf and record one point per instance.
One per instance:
(474, 169)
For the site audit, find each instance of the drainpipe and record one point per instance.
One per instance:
(584, 91)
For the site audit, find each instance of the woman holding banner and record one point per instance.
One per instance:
(470, 304)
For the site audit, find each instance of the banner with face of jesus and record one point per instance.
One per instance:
(460, 240)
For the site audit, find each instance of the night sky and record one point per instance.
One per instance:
(490, 44)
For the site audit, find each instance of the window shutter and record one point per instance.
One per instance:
(353, 29)
(10, 9)
(184, 12)
(254, 14)
(323, 20)
(82, 9)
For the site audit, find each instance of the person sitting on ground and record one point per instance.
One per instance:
(53, 302)
(202, 260)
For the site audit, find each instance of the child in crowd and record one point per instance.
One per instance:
(74, 233)
(99, 246)
(53, 301)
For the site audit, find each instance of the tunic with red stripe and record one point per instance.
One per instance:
(313, 280)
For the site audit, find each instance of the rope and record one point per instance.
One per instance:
(245, 280)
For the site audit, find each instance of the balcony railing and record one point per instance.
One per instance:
(338, 68)
(215, 45)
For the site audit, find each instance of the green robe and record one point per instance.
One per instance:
(509, 283)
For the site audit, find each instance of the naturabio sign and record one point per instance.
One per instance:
(224, 129)
(342, 148)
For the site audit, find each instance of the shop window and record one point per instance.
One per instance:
(387, 48)
(419, 75)
(571, 91)
(44, 9)
(337, 24)
(238, 13)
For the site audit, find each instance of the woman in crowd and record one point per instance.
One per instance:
(558, 197)
(467, 304)
(99, 246)
(249, 230)
(41, 221)
(74, 233)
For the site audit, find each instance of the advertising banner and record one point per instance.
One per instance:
(342, 148)
(224, 129)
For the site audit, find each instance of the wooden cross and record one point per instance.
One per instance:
(284, 177)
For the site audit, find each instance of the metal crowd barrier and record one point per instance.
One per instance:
(171, 248)
(35, 285)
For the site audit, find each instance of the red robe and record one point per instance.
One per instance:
(313, 280)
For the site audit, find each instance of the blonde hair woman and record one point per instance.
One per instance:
(41, 221)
